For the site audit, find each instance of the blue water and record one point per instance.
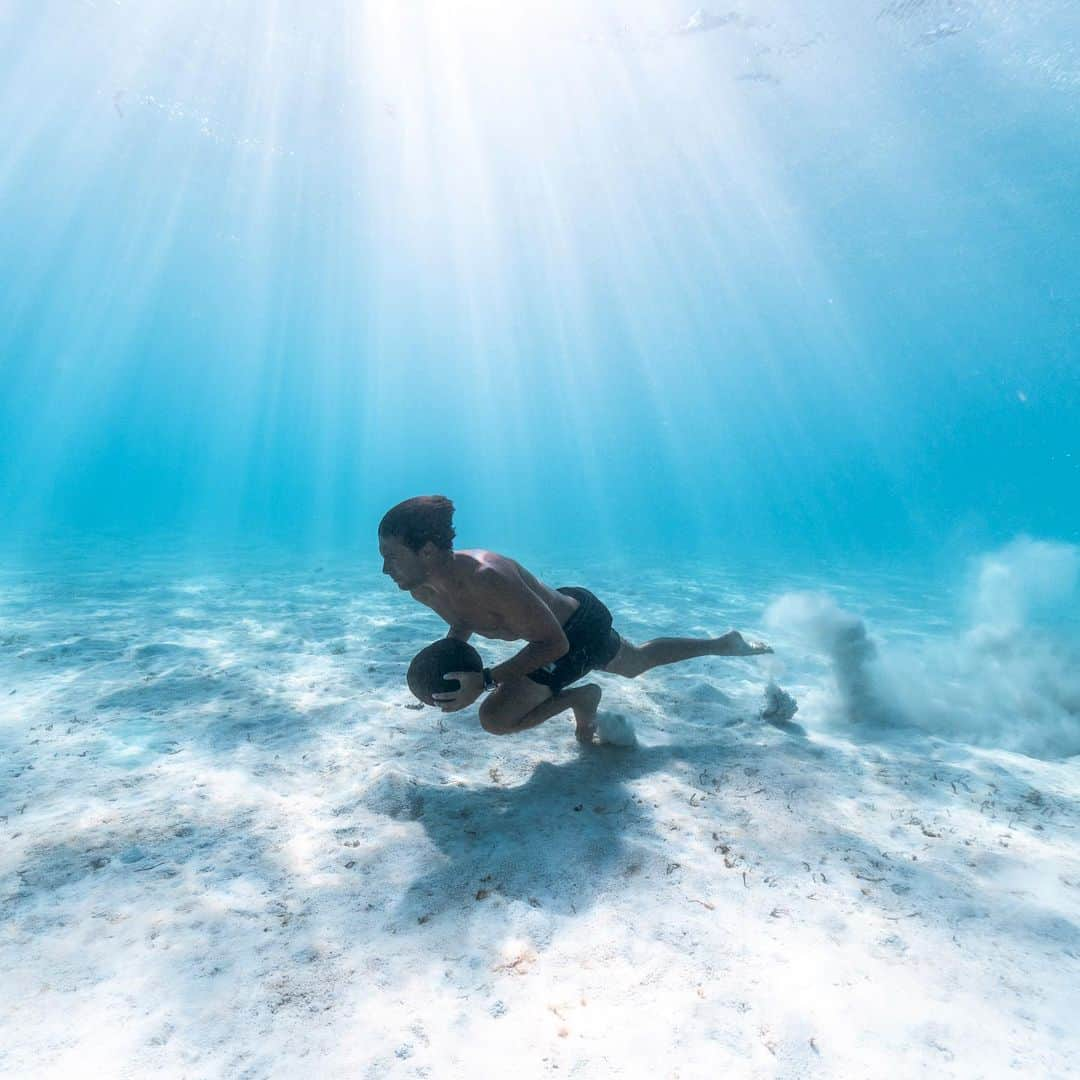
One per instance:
(764, 316)
(803, 284)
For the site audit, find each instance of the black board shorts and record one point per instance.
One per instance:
(593, 643)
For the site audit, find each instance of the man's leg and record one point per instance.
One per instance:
(522, 704)
(631, 660)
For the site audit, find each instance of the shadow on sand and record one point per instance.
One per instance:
(557, 841)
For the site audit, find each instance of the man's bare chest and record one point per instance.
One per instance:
(465, 613)
(482, 620)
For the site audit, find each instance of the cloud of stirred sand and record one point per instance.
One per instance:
(1003, 680)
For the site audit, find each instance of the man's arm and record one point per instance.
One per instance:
(527, 617)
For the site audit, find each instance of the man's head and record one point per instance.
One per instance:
(415, 537)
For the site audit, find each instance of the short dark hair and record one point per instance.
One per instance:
(416, 521)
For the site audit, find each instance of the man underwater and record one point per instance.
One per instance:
(568, 631)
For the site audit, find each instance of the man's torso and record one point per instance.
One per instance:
(464, 610)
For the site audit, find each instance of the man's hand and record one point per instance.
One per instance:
(472, 686)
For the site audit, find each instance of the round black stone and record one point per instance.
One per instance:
(430, 664)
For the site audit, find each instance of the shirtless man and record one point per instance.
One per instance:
(568, 631)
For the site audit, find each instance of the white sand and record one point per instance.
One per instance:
(232, 847)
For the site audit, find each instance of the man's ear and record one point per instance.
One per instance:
(427, 550)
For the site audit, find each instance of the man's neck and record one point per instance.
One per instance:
(444, 578)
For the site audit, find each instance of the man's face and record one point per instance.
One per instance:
(401, 563)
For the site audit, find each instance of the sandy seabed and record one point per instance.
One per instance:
(233, 846)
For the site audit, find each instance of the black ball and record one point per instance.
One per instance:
(430, 664)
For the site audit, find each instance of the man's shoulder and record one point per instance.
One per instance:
(507, 569)
(481, 557)
(489, 568)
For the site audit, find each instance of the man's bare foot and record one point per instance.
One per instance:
(586, 702)
(736, 645)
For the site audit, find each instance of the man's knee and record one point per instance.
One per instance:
(496, 722)
(495, 728)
